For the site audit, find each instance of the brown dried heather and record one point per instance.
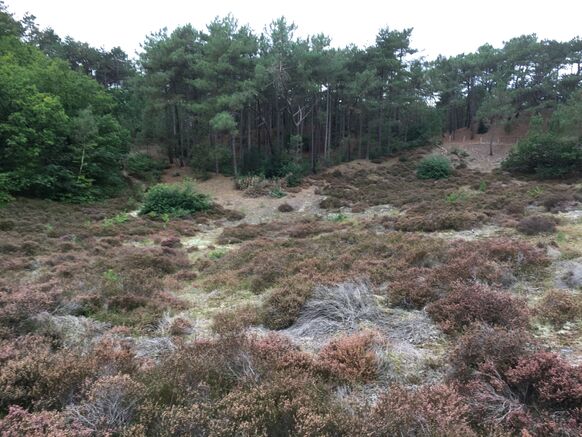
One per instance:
(350, 359)
(537, 224)
(20, 422)
(485, 344)
(437, 410)
(548, 379)
(234, 322)
(559, 307)
(467, 304)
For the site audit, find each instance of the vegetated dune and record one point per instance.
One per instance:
(380, 304)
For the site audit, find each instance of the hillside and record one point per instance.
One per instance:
(379, 302)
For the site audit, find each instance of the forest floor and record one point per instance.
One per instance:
(367, 248)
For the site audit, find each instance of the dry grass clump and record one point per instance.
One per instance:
(559, 307)
(336, 308)
(109, 405)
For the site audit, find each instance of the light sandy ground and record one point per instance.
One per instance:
(261, 209)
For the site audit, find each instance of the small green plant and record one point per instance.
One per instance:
(459, 152)
(116, 220)
(482, 186)
(536, 192)
(175, 200)
(110, 276)
(338, 218)
(434, 167)
(455, 197)
(277, 193)
(217, 253)
(561, 237)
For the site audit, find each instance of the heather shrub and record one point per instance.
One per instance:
(555, 202)
(194, 372)
(40, 378)
(486, 344)
(174, 200)
(413, 288)
(439, 221)
(559, 307)
(434, 167)
(429, 411)
(233, 322)
(537, 224)
(283, 305)
(19, 423)
(350, 359)
(279, 406)
(495, 262)
(20, 303)
(547, 379)
(285, 207)
(470, 303)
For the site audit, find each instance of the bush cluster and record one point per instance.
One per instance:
(434, 167)
(174, 200)
(545, 155)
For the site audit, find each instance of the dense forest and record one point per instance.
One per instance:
(226, 99)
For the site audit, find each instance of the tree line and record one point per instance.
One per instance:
(229, 100)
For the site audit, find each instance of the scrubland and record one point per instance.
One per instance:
(399, 306)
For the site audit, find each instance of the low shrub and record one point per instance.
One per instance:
(537, 224)
(434, 410)
(547, 379)
(285, 207)
(559, 307)
(470, 303)
(20, 422)
(283, 405)
(350, 359)
(545, 155)
(555, 202)
(486, 344)
(174, 200)
(247, 182)
(439, 221)
(413, 288)
(283, 305)
(234, 322)
(434, 167)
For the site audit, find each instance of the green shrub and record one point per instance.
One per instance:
(545, 155)
(144, 166)
(174, 200)
(434, 167)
